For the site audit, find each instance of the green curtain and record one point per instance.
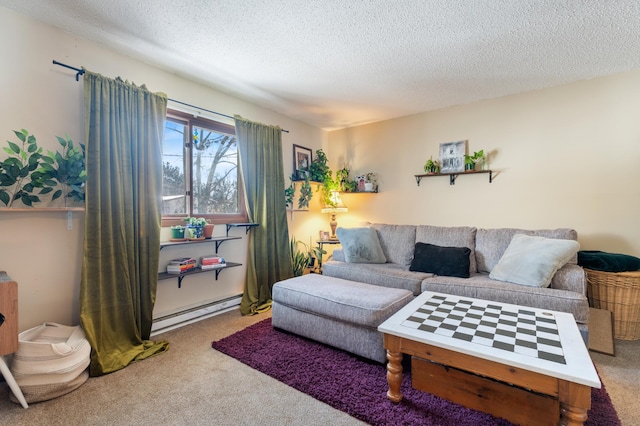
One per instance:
(269, 258)
(124, 127)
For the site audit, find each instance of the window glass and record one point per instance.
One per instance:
(200, 171)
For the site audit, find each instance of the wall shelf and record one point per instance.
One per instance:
(247, 226)
(454, 176)
(217, 240)
(180, 277)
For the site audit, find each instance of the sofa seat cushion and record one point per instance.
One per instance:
(347, 301)
(480, 286)
(386, 274)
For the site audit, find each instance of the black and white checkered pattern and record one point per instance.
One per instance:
(515, 330)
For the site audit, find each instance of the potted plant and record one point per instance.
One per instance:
(432, 166)
(195, 228)
(208, 230)
(177, 233)
(299, 256)
(470, 161)
(371, 182)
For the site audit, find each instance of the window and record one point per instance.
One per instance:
(200, 173)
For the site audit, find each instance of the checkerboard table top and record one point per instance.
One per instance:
(538, 340)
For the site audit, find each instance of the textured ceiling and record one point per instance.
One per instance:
(340, 63)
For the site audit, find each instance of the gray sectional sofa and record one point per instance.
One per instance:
(567, 291)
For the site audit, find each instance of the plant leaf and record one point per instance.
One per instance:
(4, 197)
(15, 148)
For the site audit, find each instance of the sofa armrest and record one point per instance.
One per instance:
(570, 277)
(338, 254)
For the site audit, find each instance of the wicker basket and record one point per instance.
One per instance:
(618, 292)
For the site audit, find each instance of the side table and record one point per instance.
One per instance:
(9, 331)
(321, 244)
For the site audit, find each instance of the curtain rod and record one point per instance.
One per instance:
(80, 71)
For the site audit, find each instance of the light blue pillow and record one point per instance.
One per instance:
(532, 260)
(361, 245)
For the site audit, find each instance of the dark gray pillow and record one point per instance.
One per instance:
(361, 245)
(444, 261)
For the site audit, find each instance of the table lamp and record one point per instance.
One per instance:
(334, 206)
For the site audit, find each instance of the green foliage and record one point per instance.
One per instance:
(343, 181)
(67, 168)
(19, 174)
(305, 194)
(193, 221)
(319, 171)
(473, 159)
(300, 258)
(432, 166)
(289, 193)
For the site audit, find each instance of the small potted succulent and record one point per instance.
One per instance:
(432, 166)
(470, 161)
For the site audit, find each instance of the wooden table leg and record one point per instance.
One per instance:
(394, 375)
(575, 401)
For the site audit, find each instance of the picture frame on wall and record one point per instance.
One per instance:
(452, 156)
(302, 158)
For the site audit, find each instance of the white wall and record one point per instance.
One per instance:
(563, 157)
(36, 248)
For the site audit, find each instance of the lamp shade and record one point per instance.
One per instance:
(335, 205)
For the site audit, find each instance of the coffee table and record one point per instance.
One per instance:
(527, 365)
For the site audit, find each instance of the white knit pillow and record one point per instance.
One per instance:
(532, 261)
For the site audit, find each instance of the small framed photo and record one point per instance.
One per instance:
(302, 158)
(452, 156)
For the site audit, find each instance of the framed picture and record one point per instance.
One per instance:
(452, 156)
(302, 158)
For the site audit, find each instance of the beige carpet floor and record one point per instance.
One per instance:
(192, 384)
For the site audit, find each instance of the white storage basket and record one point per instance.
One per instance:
(51, 360)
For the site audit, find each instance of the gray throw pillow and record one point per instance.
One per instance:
(532, 261)
(361, 245)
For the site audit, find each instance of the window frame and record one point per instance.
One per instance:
(190, 120)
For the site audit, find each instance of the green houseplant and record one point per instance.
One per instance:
(67, 168)
(195, 227)
(470, 161)
(300, 258)
(20, 175)
(432, 166)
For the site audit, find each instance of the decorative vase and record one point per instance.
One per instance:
(368, 186)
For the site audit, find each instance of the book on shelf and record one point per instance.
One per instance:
(183, 261)
(176, 268)
(214, 266)
(211, 260)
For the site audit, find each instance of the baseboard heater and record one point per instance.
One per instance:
(189, 316)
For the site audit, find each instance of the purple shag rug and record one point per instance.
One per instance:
(358, 386)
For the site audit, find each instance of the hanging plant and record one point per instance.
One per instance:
(305, 194)
(289, 193)
(19, 173)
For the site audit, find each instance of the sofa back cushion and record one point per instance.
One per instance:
(455, 236)
(492, 243)
(397, 242)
